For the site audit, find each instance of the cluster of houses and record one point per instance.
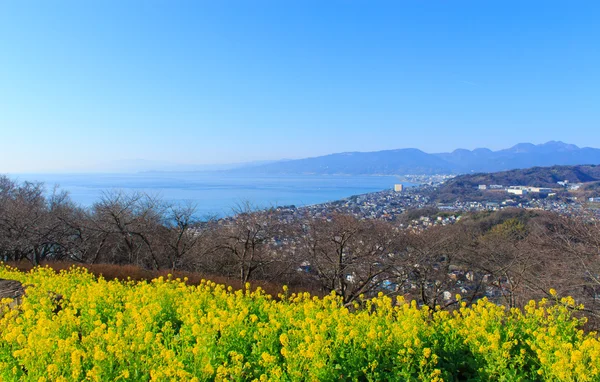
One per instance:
(425, 222)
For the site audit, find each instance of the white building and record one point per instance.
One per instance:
(543, 190)
(517, 191)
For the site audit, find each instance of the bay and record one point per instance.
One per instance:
(218, 193)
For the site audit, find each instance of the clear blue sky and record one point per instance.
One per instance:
(83, 82)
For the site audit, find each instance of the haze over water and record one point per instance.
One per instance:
(215, 193)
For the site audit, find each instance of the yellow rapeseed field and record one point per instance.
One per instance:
(165, 330)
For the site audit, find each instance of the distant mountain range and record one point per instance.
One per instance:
(388, 162)
(414, 161)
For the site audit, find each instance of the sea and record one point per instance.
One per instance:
(217, 194)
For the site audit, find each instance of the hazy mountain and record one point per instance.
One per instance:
(143, 165)
(402, 161)
(413, 161)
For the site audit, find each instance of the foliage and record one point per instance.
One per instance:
(168, 330)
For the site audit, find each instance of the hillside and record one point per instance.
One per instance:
(414, 161)
(535, 176)
(465, 186)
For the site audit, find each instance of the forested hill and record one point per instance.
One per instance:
(464, 187)
(535, 176)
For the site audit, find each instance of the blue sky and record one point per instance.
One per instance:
(85, 82)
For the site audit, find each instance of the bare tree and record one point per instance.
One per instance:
(23, 220)
(131, 223)
(435, 268)
(347, 255)
(574, 243)
(186, 237)
(32, 225)
(252, 244)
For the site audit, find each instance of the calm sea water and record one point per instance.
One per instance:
(216, 193)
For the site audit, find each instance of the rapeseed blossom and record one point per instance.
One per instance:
(166, 330)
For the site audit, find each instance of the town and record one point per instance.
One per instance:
(391, 205)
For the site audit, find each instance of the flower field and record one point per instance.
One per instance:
(166, 330)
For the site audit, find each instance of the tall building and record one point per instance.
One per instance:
(398, 187)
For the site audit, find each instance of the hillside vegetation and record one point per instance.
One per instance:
(72, 326)
(464, 187)
(535, 176)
